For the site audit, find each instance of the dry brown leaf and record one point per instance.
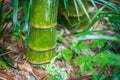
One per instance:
(40, 74)
(20, 43)
(27, 67)
(22, 75)
(6, 76)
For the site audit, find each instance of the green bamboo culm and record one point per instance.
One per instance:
(42, 38)
(73, 15)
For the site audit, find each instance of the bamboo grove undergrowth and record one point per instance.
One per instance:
(103, 50)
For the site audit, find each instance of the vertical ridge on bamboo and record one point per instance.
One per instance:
(42, 37)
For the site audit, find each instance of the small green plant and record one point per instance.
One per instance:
(55, 73)
(5, 60)
(65, 53)
(3, 64)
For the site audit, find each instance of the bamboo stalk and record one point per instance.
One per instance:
(73, 17)
(42, 37)
(71, 8)
(44, 13)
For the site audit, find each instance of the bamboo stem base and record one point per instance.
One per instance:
(41, 45)
(40, 57)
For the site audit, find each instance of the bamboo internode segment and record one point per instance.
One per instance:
(44, 13)
(40, 57)
(41, 45)
(42, 37)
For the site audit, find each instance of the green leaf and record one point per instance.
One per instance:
(99, 36)
(76, 8)
(83, 68)
(102, 60)
(78, 62)
(83, 58)
(60, 55)
(66, 57)
(9, 60)
(65, 54)
(61, 39)
(15, 12)
(84, 47)
(6, 58)
(75, 47)
(84, 8)
(27, 9)
(98, 43)
(91, 68)
(3, 64)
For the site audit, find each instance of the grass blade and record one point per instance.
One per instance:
(85, 10)
(15, 13)
(99, 36)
